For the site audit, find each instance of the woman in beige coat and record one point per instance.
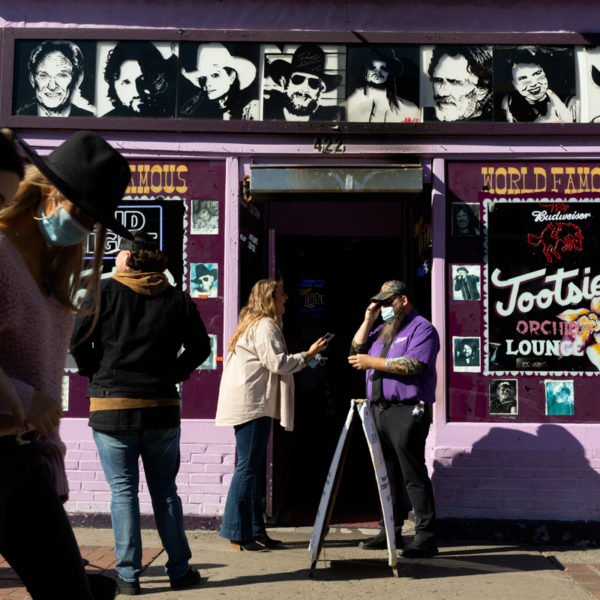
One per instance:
(257, 386)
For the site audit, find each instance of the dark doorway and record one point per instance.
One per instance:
(329, 276)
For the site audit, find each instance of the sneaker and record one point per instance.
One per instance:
(128, 588)
(192, 577)
(379, 542)
(421, 548)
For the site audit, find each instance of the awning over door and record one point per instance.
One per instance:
(268, 179)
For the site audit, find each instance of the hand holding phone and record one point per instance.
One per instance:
(328, 336)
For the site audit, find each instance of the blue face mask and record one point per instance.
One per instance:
(387, 314)
(60, 228)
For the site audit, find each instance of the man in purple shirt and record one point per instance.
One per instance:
(399, 360)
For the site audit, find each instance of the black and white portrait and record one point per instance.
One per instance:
(534, 84)
(560, 397)
(303, 83)
(54, 78)
(466, 282)
(137, 79)
(205, 217)
(211, 361)
(204, 280)
(219, 81)
(383, 84)
(465, 219)
(503, 397)
(467, 353)
(456, 83)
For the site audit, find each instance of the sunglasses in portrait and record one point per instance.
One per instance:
(387, 302)
(313, 82)
(206, 278)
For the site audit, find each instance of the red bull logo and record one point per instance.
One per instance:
(557, 238)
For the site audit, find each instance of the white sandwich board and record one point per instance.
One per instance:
(358, 409)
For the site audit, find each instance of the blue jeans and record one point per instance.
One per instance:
(119, 454)
(243, 518)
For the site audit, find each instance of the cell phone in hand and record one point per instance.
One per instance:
(328, 336)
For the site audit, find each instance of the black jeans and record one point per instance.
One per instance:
(403, 439)
(36, 538)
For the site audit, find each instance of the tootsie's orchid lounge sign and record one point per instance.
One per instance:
(542, 301)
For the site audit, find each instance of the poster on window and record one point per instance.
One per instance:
(543, 280)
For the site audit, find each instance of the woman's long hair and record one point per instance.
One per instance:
(261, 304)
(61, 273)
(233, 102)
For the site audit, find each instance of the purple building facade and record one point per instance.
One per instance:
(336, 146)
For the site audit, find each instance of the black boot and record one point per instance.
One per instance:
(379, 541)
(421, 547)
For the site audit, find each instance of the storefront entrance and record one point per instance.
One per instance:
(332, 255)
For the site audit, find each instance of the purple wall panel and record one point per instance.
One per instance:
(205, 181)
(501, 244)
(344, 16)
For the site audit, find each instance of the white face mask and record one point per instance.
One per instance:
(387, 314)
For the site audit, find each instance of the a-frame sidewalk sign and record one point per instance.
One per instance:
(358, 409)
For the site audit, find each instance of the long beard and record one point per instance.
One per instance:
(296, 109)
(389, 330)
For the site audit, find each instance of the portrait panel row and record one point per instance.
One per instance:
(306, 82)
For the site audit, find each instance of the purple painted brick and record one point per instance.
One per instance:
(79, 496)
(194, 448)
(88, 445)
(207, 458)
(222, 468)
(80, 475)
(90, 465)
(204, 498)
(95, 485)
(82, 455)
(205, 478)
(214, 509)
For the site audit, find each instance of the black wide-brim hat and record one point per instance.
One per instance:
(307, 58)
(201, 271)
(90, 173)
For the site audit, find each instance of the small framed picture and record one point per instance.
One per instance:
(560, 397)
(504, 399)
(205, 217)
(204, 280)
(465, 219)
(466, 280)
(467, 354)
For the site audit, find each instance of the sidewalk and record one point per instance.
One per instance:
(463, 571)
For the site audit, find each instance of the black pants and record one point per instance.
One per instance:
(403, 439)
(36, 537)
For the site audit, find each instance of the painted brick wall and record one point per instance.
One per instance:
(207, 464)
(545, 473)
(552, 476)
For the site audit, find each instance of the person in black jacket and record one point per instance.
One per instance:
(132, 361)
